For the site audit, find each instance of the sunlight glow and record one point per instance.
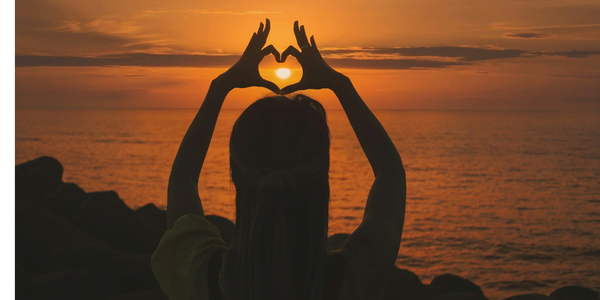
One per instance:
(283, 73)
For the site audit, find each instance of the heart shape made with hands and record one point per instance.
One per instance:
(270, 63)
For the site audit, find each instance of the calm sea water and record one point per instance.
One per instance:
(509, 200)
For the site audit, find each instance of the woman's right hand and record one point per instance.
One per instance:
(316, 73)
(245, 72)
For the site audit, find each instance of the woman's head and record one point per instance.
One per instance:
(279, 133)
(279, 156)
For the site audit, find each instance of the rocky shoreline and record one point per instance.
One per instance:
(71, 244)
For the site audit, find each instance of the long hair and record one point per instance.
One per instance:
(279, 159)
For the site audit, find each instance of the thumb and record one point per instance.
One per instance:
(290, 51)
(269, 85)
(292, 88)
(271, 50)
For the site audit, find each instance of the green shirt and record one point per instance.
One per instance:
(180, 263)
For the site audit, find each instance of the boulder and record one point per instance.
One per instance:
(573, 293)
(38, 232)
(47, 244)
(528, 297)
(69, 284)
(23, 283)
(106, 216)
(449, 283)
(25, 192)
(153, 216)
(65, 200)
(150, 207)
(118, 272)
(43, 174)
(153, 294)
(404, 284)
(462, 296)
(225, 226)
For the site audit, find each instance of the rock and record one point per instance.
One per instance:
(462, 296)
(449, 283)
(69, 284)
(23, 283)
(404, 284)
(153, 294)
(106, 216)
(118, 272)
(153, 216)
(225, 226)
(25, 192)
(528, 297)
(150, 207)
(337, 240)
(573, 293)
(43, 174)
(38, 232)
(65, 200)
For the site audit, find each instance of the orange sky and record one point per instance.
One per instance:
(434, 54)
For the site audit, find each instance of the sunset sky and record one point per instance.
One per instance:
(432, 54)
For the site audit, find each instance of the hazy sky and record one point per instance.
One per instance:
(432, 54)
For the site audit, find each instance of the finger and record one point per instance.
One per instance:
(297, 34)
(292, 88)
(314, 47)
(267, 27)
(303, 41)
(257, 46)
(290, 51)
(250, 44)
(271, 50)
(260, 28)
(271, 86)
(263, 36)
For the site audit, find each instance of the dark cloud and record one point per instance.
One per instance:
(182, 60)
(366, 58)
(576, 76)
(391, 64)
(527, 35)
(586, 30)
(44, 27)
(570, 54)
(461, 54)
(128, 59)
(465, 54)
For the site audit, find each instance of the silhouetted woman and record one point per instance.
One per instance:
(279, 161)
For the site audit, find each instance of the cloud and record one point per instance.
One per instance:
(355, 58)
(459, 54)
(570, 31)
(444, 53)
(570, 54)
(207, 61)
(391, 64)
(527, 35)
(129, 59)
(151, 12)
(575, 76)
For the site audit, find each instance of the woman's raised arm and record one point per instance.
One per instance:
(380, 231)
(182, 194)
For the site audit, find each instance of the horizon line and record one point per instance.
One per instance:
(376, 109)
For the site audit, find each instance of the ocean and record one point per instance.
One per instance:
(507, 199)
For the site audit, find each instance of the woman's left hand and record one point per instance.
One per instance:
(245, 72)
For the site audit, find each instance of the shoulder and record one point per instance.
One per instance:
(180, 262)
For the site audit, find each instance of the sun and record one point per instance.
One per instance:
(283, 73)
